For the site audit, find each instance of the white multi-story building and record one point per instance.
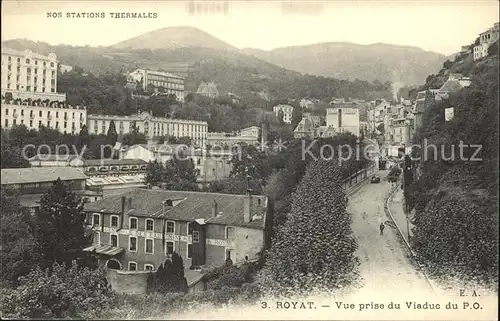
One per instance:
(486, 39)
(248, 135)
(34, 115)
(162, 82)
(343, 117)
(150, 126)
(287, 112)
(29, 75)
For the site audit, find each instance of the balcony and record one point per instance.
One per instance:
(15, 115)
(32, 116)
(49, 117)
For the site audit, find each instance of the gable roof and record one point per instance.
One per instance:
(40, 175)
(192, 206)
(450, 86)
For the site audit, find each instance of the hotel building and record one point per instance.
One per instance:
(150, 126)
(26, 74)
(140, 229)
(161, 81)
(36, 114)
(343, 117)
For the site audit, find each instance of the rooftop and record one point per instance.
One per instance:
(15, 52)
(40, 175)
(107, 162)
(451, 86)
(54, 157)
(193, 205)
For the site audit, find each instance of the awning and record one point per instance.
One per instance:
(104, 249)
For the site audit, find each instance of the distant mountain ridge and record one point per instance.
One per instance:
(406, 65)
(174, 38)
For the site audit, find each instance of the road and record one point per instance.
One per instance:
(385, 267)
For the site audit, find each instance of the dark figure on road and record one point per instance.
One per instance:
(382, 228)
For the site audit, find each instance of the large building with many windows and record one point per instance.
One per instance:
(150, 126)
(37, 114)
(140, 229)
(158, 81)
(26, 74)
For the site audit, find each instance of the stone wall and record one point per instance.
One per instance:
(131, 282)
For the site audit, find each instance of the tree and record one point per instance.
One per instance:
(63, 292)
(59, 226)
(315, 247)
(280, 117)
(18, 247)
(112, 135)
(296, 116)
(155, 173)
(170, 276)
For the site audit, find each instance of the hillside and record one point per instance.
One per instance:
(232, 71)
(343, 60)
(174, 38)
(453, 192)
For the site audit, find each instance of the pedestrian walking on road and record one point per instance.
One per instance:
(382, 226)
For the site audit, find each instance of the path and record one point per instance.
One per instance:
(385, 267)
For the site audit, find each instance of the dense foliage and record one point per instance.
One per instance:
(455, 193)
(178, 173)
(18, 247)
(315, 246)
(61, 292)
(170, 276)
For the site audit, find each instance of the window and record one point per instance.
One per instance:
(149, 246)
(229, 233)
(114, 221)
(132, 244)
(6, 123)
(169, 249)
(133, 223)
(96, 219)
(114, 240)
(132, 266)
(170, 227)
(190, 250)
(27, 61)
(97, 238)
(150, 223)
(149, 267)
(196, 236)
(40, 113)
(52, 65)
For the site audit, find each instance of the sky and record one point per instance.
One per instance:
(439, 26)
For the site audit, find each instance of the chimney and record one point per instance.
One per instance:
(247, 208)
(124, 209)
(214, 209)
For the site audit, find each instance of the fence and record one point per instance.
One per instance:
(357, 178)
(412, 254)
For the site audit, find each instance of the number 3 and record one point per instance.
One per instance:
(264, 305)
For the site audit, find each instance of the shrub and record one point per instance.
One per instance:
(59, 292)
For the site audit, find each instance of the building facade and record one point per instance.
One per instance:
(343, 117)
(486, 39)
(32, 183)
(208, 89)
(161, 82)
(150, 126)
(37, 114)
(26, 74)
(287, 112)
(140, 229)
